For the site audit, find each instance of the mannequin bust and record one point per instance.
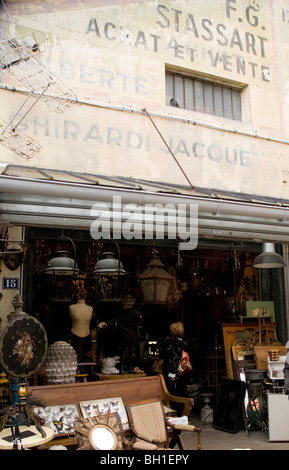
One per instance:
(80, 314)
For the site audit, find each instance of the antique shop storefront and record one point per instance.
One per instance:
(157, 133)
(212, 284)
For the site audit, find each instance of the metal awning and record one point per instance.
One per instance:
(52, 198)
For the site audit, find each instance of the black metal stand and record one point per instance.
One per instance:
(256, 406)
(10, 415)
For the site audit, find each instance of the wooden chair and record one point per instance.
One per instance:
(151, 429)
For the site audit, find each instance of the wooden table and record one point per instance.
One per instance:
(29, 435)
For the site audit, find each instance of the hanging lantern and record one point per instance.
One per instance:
(111, 276)
(62, 265)
(61, 268)
(155, 282)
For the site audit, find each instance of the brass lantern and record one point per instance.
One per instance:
(155, 282)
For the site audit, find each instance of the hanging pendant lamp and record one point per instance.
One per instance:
(111, 275)
(61, 270)
(61, 264)
(269, 258)
(155, 282)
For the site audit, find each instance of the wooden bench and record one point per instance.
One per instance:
(130, 390)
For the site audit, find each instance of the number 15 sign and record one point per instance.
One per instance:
(10, 283)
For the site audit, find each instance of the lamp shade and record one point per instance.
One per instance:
(269, 258)
(62, 265)
(155, 282)
(108, 265)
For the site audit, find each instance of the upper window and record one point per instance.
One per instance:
(203, 96)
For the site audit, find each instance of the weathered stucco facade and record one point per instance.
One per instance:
(114, 55)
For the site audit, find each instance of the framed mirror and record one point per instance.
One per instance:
(102, 437)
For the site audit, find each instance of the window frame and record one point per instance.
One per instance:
(204, 95)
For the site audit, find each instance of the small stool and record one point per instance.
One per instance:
(81, 378)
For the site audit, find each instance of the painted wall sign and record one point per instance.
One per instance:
(191, 37)
(115, 56)
(126, 138)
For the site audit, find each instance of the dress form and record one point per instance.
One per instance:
(80, 314)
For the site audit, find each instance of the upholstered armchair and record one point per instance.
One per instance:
(151, 429)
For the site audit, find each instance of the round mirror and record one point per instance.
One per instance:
(102, 437)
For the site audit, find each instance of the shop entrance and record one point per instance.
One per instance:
(212, 285)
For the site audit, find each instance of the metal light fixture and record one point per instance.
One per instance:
(13, 257)
(111, 275)
(269, 258)
(60, 269)
(155, 281)
(61, 264)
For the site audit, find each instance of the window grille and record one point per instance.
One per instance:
(203, 96)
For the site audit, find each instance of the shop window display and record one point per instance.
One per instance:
(209, 286)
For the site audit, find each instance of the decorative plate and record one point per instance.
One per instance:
(23, 346)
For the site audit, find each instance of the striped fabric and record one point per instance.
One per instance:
(148, 421)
